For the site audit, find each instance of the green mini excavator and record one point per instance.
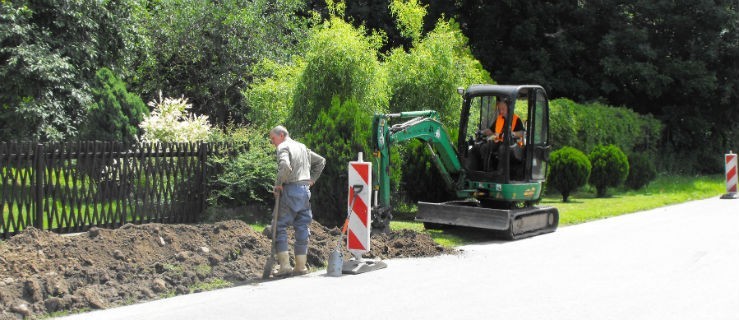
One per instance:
(496, 184)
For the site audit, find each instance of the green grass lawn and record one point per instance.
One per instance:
(17, 214)
(584, 206)
(82, 212)
(258, 227)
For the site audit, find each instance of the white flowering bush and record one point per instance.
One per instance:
(170, 121)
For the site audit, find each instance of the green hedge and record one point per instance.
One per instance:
(585, 126)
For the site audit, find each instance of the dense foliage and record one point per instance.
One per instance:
(204, 50)
(270, 96)
(588, 125)
(569, 169)
(49, 54)
(676, 60)
(610, 167)
(641, 171)
(425, 77)
(340, 61)
(245, 176)
(339, 133)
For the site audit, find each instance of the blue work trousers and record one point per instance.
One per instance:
(294, 211)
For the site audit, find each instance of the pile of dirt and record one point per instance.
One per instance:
(43, 272)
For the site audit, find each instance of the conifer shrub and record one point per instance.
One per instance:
(115, 113)
(338, 134)
(610, 168)
(569, 169)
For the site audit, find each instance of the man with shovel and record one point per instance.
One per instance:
(298, 168)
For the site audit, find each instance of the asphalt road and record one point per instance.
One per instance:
(677, 262)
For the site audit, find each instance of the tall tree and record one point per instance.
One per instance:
(527, 42)
(49, 53)
(427, 76)
(668, 58)
(671, 59)
(340, 61)
(204, 50)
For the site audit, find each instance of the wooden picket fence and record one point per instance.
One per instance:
(70, 187)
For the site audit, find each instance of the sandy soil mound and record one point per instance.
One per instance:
(43, 272)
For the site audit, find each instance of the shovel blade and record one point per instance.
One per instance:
(335, 263)
(268, 267)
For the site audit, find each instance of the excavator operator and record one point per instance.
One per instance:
(496, 129)
(490, 150)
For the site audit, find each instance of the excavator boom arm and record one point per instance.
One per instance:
(421, 125)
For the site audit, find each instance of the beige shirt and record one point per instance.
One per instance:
(297, 164)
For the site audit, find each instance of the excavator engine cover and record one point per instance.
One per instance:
(509, 223)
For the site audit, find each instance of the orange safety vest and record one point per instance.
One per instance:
(499, 126)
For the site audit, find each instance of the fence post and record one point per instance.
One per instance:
(203, 178)
(39, 170)
(124, 191)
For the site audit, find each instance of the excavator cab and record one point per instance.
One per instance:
(518, 151)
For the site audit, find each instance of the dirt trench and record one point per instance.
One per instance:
(43, 272)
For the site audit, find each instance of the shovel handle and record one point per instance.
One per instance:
(356, 189)
(346, 224)
(275, 217)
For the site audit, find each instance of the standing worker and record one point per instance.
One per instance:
(298, 168)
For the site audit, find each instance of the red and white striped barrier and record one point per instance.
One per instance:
(731, 176)
(360, 181)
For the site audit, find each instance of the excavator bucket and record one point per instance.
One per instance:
(510, 224)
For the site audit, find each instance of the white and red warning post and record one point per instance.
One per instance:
(360, 218)
(360, 189)
(731, 176)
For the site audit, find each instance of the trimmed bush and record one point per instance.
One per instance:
(569, 169)
(610, 168)
(641, 171)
